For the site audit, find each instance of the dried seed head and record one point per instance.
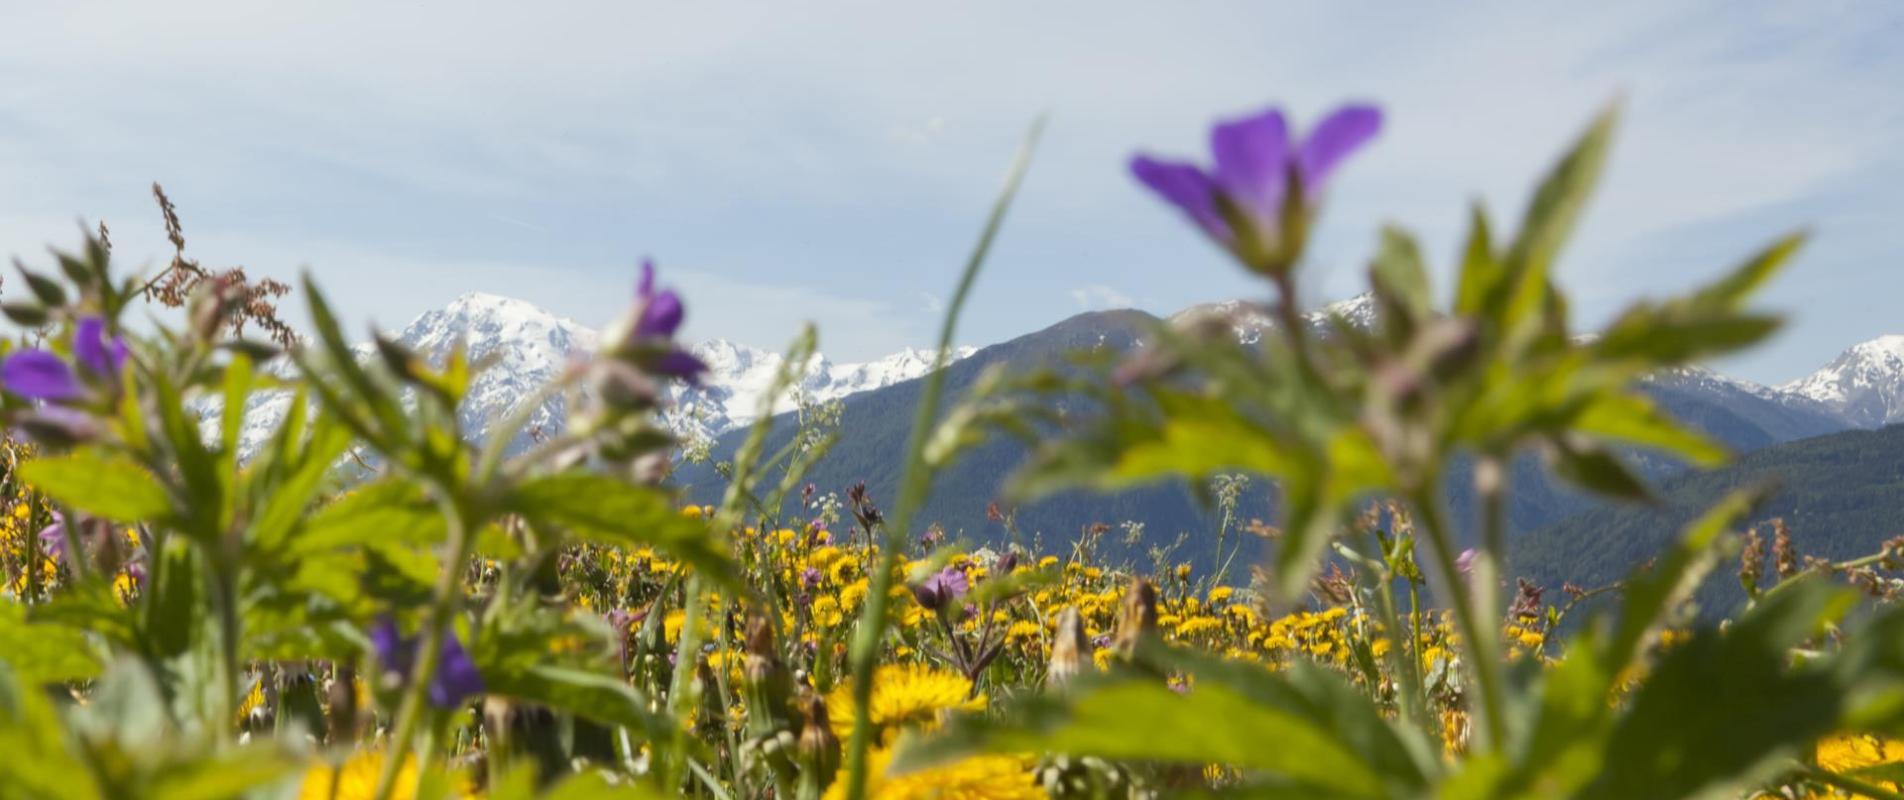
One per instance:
(1070, 650)
(1138, 622)
(819, 748)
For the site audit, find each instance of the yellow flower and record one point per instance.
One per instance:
(1047, 562)
(356, 779)
(826, 611)
(904, 695)
(976, 778)
(1221, 594)
(671, 625)
(691, 512)
(852, 593)
(252, 701)
(1846, 752)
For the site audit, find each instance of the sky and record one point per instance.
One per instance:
(833, 162)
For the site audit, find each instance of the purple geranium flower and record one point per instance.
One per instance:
(42, 375)
(941, 588)
(1257, 166)
(456, 678)
(661, 312)
(658, 315)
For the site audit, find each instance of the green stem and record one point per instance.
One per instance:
(872, 623)
(1476, 629)
(448, 597)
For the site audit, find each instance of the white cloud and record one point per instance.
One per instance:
(1097, 296)
(783, 146)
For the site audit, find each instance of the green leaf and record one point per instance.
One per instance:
(228, 775)
(1141, 719)
(171, 603)
(604, 510)
(1633, 418)
(44, 651)
(1399, 277)
(598, 786)
(1596, 469)
(37, 763)
(1691, 730)
(393, 511)
(99, 483)
(1551, 217)
(1728, 292)
(592, 695)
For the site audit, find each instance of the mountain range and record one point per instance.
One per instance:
(1863, 388)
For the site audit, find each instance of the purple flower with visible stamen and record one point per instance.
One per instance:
(1241, 202)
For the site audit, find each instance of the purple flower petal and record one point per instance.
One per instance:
(660, 315)
(39, 375)
(645, 287)
(941, 588)
(456, 678)
(681, 364)
(91, 348)
(1252, 163)
(1332, 140)
(394, 652)
(1185, 187)
(53, 540)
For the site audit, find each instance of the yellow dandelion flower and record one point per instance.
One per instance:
(976, 778)
(1221, 594)
(1847, 752)
(356, 779)
(826, 611)
(904, 695)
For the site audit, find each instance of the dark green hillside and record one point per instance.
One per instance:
(1842, 495)
(875, 425)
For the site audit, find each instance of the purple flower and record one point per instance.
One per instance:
(1257, 167)
(94, 351)
(661, 312)
(1464, 563)
(42, 375)
(657, 316)
(456, 678)
(942, 587)
(53, 539)
(810, 577)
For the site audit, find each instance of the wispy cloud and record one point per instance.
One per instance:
(863, 166)
(1098, 296)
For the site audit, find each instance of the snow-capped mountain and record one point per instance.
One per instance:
(1249, 320)
(527, 347)
(1864, 384)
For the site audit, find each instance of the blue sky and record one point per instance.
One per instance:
(791, 161)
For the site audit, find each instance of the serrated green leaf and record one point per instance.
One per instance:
(102, 484)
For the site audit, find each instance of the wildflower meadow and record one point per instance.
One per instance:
(373, 602)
